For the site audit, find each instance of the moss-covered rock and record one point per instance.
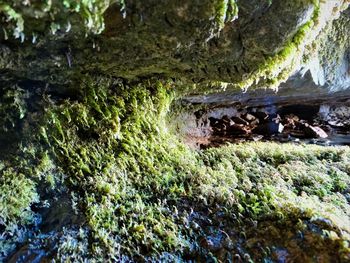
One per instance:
(86, 130)
(195, 41)
(146, 196)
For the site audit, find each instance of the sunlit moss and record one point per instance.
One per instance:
(277, 68)
(132, 175)
(226, 11)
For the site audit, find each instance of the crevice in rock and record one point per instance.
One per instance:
(317, 123)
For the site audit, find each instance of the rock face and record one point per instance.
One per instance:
(323, 75)
(199, 42)
(315, 123)
(337, 116)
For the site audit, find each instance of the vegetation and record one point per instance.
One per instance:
(99, 174)
(277, 68)
(142, 194)
(227, 11)
(30, 18)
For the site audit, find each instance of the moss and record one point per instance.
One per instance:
(17, 194)
(18, 17)
(118, 173)
(23, 166)
(15, 205)
(12, 108)
(277, 68)
(137, 183)
(146, 196)
(227, 11)
(332, 47)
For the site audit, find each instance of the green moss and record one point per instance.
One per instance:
(12, 108)
(146, 196)
(119, 172)
(332, 46)
(277, 68)
(137, 183)
(17, 194)
(51, 15)
(226, 11)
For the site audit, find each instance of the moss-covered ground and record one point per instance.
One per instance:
(142, 195)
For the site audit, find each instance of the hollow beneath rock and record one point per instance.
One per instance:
(316, 123)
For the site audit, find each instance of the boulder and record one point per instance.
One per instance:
(238, 129)
(314, 132)
(239, 120)
(249, 117)
(227, 121)
(290, 121)
(261, 115)
(269, 128)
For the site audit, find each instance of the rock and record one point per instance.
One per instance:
(292, 117)
(297, 133)
(217, 125)
(249, 117)
(290, 121)
(269, 128)
(256, 138)
(255, 122)
(336, 123)
(226, 119)
(324, 111)
(220, 126)
(219, 130)
(261, 115)
(300, 125)
(239, 120)
(314, 132)
(238, 129)
(274, 117)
